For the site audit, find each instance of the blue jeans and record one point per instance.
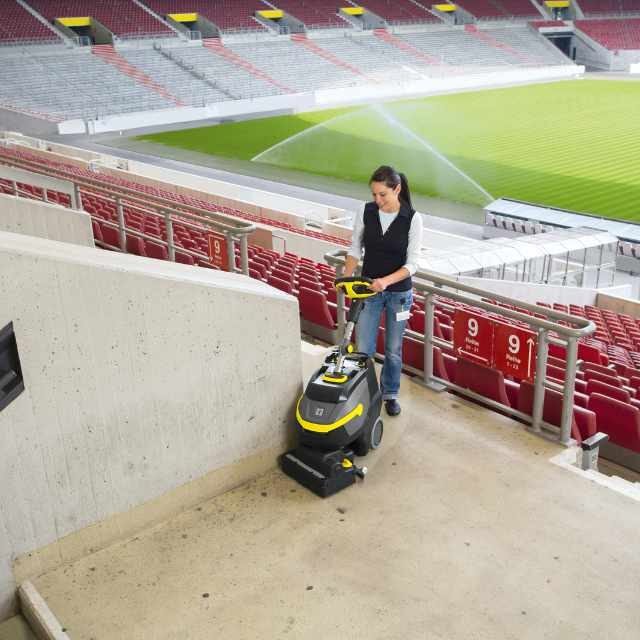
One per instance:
(391, 302)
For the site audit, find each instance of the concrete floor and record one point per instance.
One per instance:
(16, 628)
(463, 529)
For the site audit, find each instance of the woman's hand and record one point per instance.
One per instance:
(378, 285)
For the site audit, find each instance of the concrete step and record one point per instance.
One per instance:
(16, 628)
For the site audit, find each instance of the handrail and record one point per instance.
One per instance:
(233, 229)
(564, 335)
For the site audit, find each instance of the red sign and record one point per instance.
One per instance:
(472, 337)
(218, 251)
(514, 351)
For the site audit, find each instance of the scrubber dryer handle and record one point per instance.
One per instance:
(356, 289)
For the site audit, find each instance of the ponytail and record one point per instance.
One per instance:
(392, 179)
(405, 194)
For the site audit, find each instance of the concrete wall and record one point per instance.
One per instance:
(149, 386)
(33, 218)
(544, 293)
(619, 303)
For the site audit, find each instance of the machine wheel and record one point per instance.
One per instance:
(370, 438)
(376, 433)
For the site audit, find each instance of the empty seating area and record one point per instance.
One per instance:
(604, 7)
(506, 45)
(17, 24)
(500, 9)
(296, 66)
(227, 15)
(613, 34)
(107, 211)
(122, 17)
(191, 90)
(400, 11)
(72, 85)
(314, 13)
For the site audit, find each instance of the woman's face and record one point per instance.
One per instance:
(387, 198)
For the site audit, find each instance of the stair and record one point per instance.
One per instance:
(301, 39)
(383, 34)
(191, 70)
(473, 30)
(215, 46)
(108, 53)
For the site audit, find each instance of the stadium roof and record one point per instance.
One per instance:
(563, 218)
(471, 255)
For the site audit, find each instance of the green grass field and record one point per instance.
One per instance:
(573, 144)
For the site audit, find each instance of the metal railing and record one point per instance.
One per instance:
(548, 330)
(235, 231)
(45, 183)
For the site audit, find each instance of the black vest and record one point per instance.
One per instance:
(384, 254)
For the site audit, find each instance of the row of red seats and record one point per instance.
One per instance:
(599, 7)
(613, 34)
(122, 17)
(35, 193)
(16, 23)
(399, 11)
(225, 14)
(499, 8)
(71, 171)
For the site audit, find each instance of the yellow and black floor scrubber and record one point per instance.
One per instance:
(338, 415)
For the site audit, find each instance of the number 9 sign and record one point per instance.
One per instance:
(218, 251)
(514, 351)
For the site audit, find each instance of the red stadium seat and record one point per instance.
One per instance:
(484, 381)
(619, 420)
(314, 308)
(583, 422)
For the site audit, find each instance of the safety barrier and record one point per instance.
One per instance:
(546, 327)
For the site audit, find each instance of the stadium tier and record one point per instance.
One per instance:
(602, 7)
(613, 34)
(73, 85)
(122, 17)
(500, 9)
(314, 13)
(228, 15)
(17, 24)
(400, 11)
(494, 46)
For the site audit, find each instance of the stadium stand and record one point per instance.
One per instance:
(227, 15)
(105, 209)
(72, 85)
(613, 34)
(607, 385)
(500, 9)
(18, 25)
(400, 11)
(314, 13)
(124, 18)
(107, 53)
(170, 66)
(610, 7)
(310, 71)
(495, 46)
(216, 46)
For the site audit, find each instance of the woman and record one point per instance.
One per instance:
(390, 233)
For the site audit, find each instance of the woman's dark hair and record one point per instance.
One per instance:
(392, 179)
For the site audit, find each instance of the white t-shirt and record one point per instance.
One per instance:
(415, 237)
